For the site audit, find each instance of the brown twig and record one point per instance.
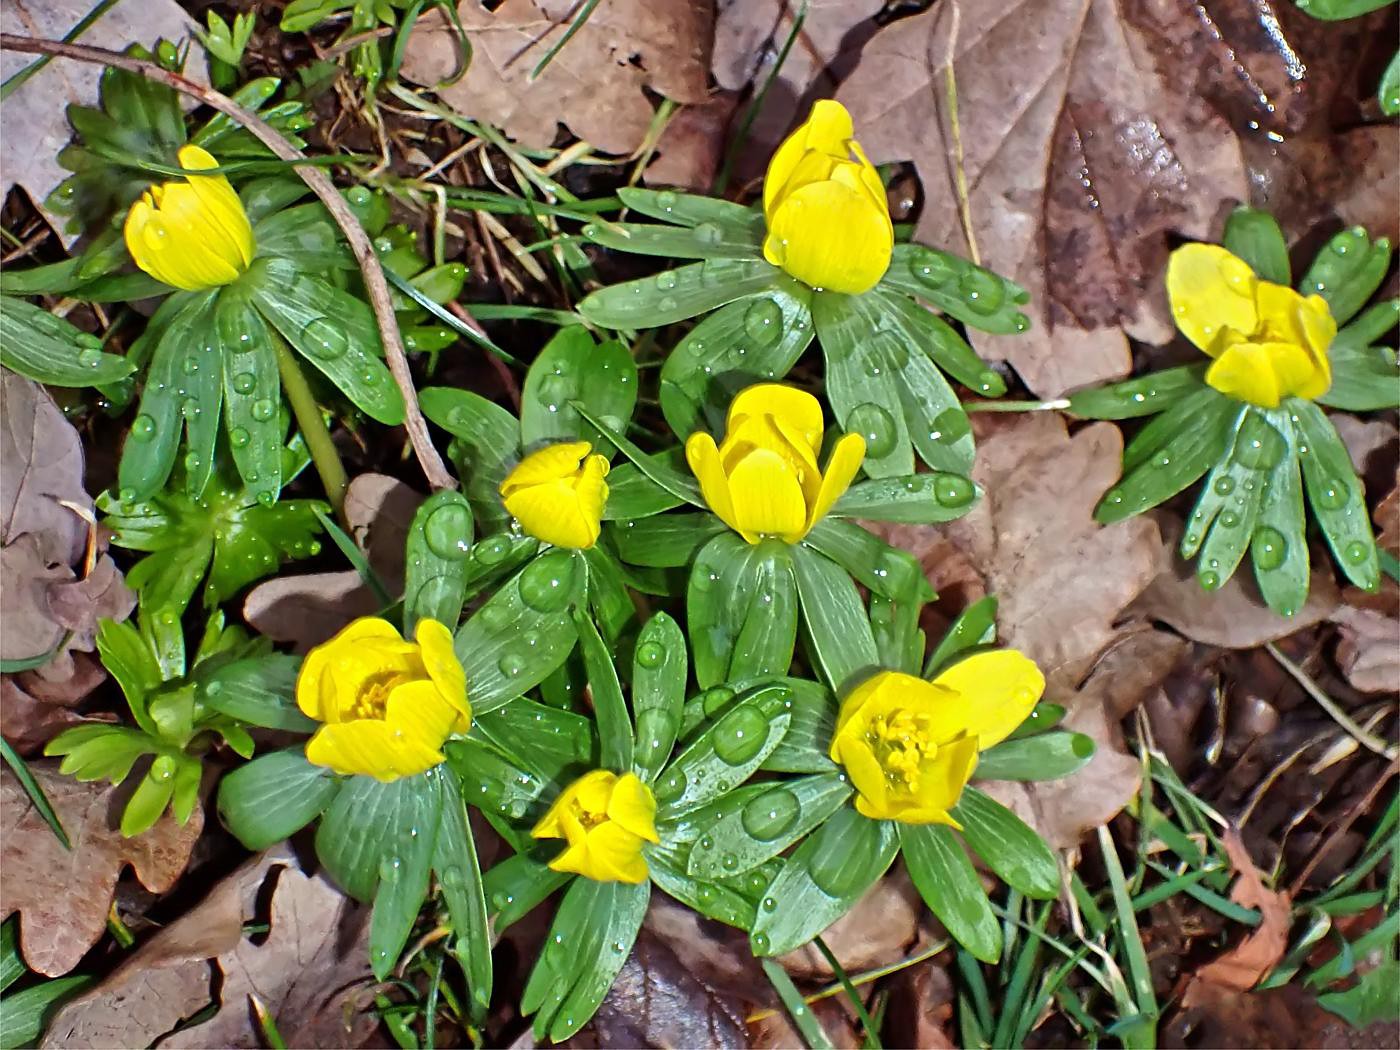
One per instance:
(375, 285)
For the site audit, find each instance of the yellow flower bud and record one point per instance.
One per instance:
(191, 233)
(764, 480)
(387, 704)
(604, 819)
(827, 213)
(1268, 341)
(910, 746)
(557, 494)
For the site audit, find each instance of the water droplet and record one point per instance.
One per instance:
(671, 786)
(492, 551)
(1356, 552)
(876, 425)
(768, 904)
(760, 942)
(90, 358)
(547, 583)
(1209, 580)
(190, 365)
(715, 700)
(244, 382)
(739, 736)
(1259, 446)
(1229, 519)
(143, 428)
(770, 814)
(667, 304)
(511, 664)
(763, 321)
(650, 654)
(933, 269)
(952, 490)
(666, 200)
(656, 732)
(1224, 486)
(709, 233)
(1333, 494)
(446, 531)
(262, 409)
(323, 338)
(666, 280)
(239, 437)
(390, 869)
(983, 291)
(1270, 548)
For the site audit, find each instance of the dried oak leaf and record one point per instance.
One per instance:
(312, 960)
(41, 469)
(306, 610)
(1369, 623)
(690, 149)
(1080, 158)
(35, 707)
(594, 86)
(62, 896)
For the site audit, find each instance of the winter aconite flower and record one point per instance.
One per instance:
(1268, 341)
(603, 818)
(828, 217)
(387, 704)
(191, 233)
(557, 494)
(910, 746)
(764, 479)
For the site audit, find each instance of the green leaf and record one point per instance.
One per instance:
(589, 940)
(949, 885)
(1043, 717)
(1337, 496)
(100, 752)
(883, 569)
(25, 1014)
(822, 880)
(487, 444)
(1008, 846)
(805, 744)
(741, 608)
(252, 392)
(127, 657)
(727, 754)
(151, 796)
(1336, 10)
(1044, 756)
(1222, 522)
(572, 367)
(523, 632)
(1374, 998)
(333, 330)
(47, 349)
(518, 885)
(718, 900)
(709, 240)
(1388, 92)
(499, 784)
(1347, 272)
(260, 691)
(1144, 396)
(975, 626)
(12, 966)
(1255, 237)
(667, 540)
(631, 494)
(920, 499)
(654, 467)
(608, 597)
(609, 708)
(979, 298)
(687, 209)
(757, 339)
(836, 628)
(1365, 377)
(1279, 546)
(658, 691)
(305, 236)
(459, 874)
(748, 827)
(675, 295)
(1170, 453)
(550, 743)
(407, 847)
(274, 796)
(921, 330)
(437, 568)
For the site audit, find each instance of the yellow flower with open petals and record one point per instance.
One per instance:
(557, 494)
(387, 704)
(910, 746)
(827, 213)
(764, 479)
(604, 818)
(191, 233)
(1268, 341)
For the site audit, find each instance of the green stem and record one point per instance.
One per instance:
(1016, 406)
(313, 426)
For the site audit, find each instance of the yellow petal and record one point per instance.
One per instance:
(593, 790)
(633, 807)
(826, 130)
(831, 237)
(417, 712)
(547, 464)
(1319, 330)
(616, 854)
(703, 457)
(1002, 685)
(841, 468)
(1210, 289)
(563, 513)
(866, 776)
(859, 704)
(436, 650)
(221, 204)
(767, 498)
(311, 700)
(368, 747)
(1245, 371)
(799, 409)
(551, 825)
(943, 778)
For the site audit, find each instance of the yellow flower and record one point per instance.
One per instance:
(191, 233)
(387, 704)
(557, 494)
(604, 819)
(1268, 341)
(764, 479)
(910, 746)
(828, 216)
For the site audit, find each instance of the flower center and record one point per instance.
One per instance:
(374, 695)
(902, 743)
(590, 819)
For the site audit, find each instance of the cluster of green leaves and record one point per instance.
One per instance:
(1260, 463)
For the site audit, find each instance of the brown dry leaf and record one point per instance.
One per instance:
(689, 151)
(594, 86)
(921, 1009)
(876, 931)
(35, 707)
(307, 610)
(314, 956)
(1369, 624)
(1234, 616)
(773, 1030)
(57, 928)
(1242, 966)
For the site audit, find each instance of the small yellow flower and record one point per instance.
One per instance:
(764, 480)
(387, 704)
(557, 494)
(604, 819)
(1268, 341)
(910, 746)
(827, 213)
(191, 233)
